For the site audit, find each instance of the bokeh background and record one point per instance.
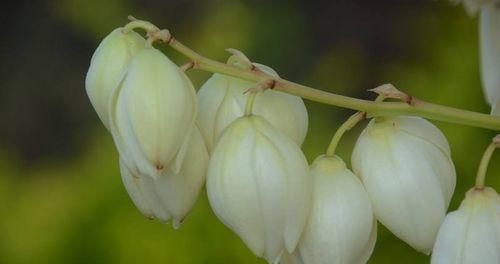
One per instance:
(61, 197)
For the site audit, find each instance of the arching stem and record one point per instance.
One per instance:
(346, 126)
(485, 160)
(412, 107)
(147, 26)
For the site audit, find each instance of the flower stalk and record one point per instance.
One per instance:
(351, 122)
(413, 107)
(346, 126)
(485, 160)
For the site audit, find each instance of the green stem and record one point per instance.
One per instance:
(147, 26)
(346, 126)
(483, 165)
(413, 108)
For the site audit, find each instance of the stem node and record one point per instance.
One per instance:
(188, 66)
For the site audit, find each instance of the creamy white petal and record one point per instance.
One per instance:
(471, 234)
(420, 127)
(135, 191)
(340, 227)
(171, 195)
(490, 51)
(179, 191)
(229, 109)
(425, 130)
(222, 100)
(209, 100)
(107, 66)
(370, 245)
(258, 185)
(409, 178)
(152, 113)
(142, 191)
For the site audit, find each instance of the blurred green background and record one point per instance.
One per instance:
(61, 197)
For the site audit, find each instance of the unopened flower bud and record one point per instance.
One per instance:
(153, 113)
(341, 227)
(171, 195)
(258, 185)
(472, 233)
(221, 101)
(107, 66)
(406, 167)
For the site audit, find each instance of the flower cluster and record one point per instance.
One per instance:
(243, 139)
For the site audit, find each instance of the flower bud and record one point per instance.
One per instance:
(258, 185)
(107, 66)
(171, 195)
(472, 233)
(341, 227)
(406, 168)
(153, 111)
(221, 101)
(490, 51)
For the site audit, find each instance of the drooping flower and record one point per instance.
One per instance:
(258, 185)
(107, 67)
(341, 227)
(152, 114)
(472, 233)
(222, 100)
(405, 165)
(171, 195)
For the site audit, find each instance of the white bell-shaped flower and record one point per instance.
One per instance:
(172, 195)
(107, 66)
(221, 101)
(152, 113)
(490, 51)
(406, 168)
(258, 185)
(341, 227)
(471, 235)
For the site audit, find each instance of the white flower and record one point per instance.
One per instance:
(341, 227)
(405, 165)
(171, 195)
(471, 235)
(152, 113)
(221, 101)
(107, 66)
(490, 52)
(259, 186)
